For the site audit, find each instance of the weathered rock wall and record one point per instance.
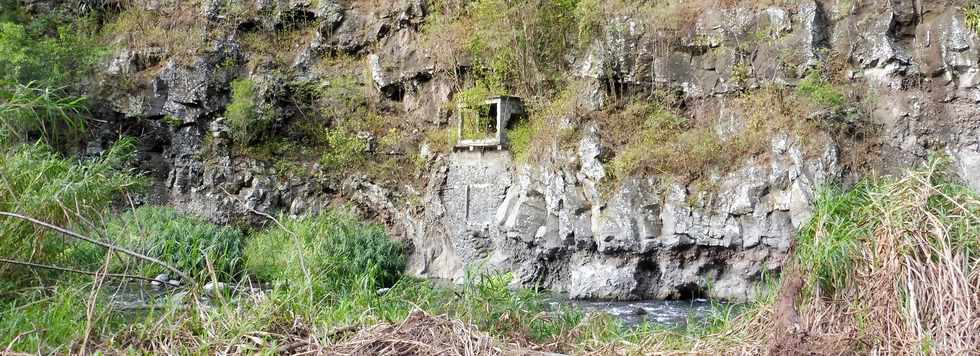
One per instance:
(649, 239)
(913, 64)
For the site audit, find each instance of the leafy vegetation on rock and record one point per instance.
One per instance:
(247, 117)
(971, 11)
(813, 86)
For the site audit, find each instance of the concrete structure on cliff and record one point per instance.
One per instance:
(485, 127)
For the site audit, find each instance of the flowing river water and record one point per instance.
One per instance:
(666, 313)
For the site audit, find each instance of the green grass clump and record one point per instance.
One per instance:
(828, 244)
(191, 245)
(42, 184)
(340, 252)
(344, 150)
(29, 110)
(248, 119)
(519, 139)
(43, 321)
(888, 262)
(822, 92)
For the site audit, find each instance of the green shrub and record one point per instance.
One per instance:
(344, 151)
(971, 12)
(40, 183)
(519, 139)
(187, 243)
(42, 70)
(62, 56)
(828, 244)
(342, 96)
(341, 253)
(248, 120)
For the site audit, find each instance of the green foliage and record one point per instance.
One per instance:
(172, 121)
(191, 245)
(28, 109)
(43, 66)
(828, 244)
(647, 136)
(971, 12)
(664, 143)
(519, 139)
(591, 19)
(440, 140)
(42, 322)
(40, 183)
(820, 91)
(344, 151)
(32, 54)
(511, 312)
(248, 119)
(10, 11)
(341, 96)
(740, 73)
(829, 247)
(341, 253)
(547, 127)
(513, 46)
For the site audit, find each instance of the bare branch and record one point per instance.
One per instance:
(63, 269)
(78, 236)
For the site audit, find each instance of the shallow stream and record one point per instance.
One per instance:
(668, 313)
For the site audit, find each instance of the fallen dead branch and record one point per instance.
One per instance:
(77, 271)
(105, 245)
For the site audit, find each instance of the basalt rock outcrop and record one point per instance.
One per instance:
(651, 238)
(654, 238)
(558, 223)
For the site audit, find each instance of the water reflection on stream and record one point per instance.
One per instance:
(668, 313)
(135, 297)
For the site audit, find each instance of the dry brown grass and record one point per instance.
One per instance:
(172, 26)
(420, 334)
(711, 137)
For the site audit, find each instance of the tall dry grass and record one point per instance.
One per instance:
(915, 282)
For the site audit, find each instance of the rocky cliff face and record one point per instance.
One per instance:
(649, 239)
(561, 221)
